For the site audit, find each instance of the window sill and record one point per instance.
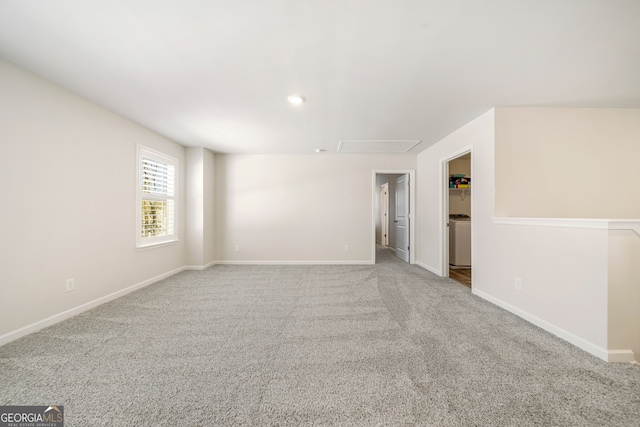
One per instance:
(156, 245)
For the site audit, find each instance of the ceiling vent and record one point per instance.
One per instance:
(380, 146)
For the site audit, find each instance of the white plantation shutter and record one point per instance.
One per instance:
(156, 198)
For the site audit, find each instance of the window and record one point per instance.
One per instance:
(156, 201)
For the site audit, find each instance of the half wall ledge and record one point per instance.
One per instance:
(600, 224)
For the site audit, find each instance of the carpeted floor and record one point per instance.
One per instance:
(389, 344)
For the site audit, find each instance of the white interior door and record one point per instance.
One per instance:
(401, 221)
(384, 214)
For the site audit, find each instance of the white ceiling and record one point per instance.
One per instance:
(217, 73)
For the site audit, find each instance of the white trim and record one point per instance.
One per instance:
(157, 245)
(296, 262)
(596, 223)
(51, 320)
(634, 225)
(156, 241)
(621, 356)
(428, 268)
(589, 347)
(200, 267)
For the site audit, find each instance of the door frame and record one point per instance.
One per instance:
(412, 210)
(444, 206)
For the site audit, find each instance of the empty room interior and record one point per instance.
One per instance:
(253, 212)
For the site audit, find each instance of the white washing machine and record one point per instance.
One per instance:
(460, 241)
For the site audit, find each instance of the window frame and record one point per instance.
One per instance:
(157, 156)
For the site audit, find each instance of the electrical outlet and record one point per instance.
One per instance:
(70, 285)
(237, 248)
(346, 248)
(518, 283)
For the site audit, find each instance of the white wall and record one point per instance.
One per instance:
(432, 187)
(194, 195)
(209, 255)
(564, 267)
(297, 208)
(200, 195)
(68, 170)
(564, 278)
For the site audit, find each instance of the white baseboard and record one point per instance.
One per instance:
(621, 356)
(589, 347)
(41, 324)
(200, 267)
(429, 268)
(301, 262)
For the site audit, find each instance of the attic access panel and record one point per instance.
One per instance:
(383, 146)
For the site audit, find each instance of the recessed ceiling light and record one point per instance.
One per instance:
(296, 99)
(320, 150)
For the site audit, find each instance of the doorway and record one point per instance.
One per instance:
(457, 218)
(384, 214)
(393, 204)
